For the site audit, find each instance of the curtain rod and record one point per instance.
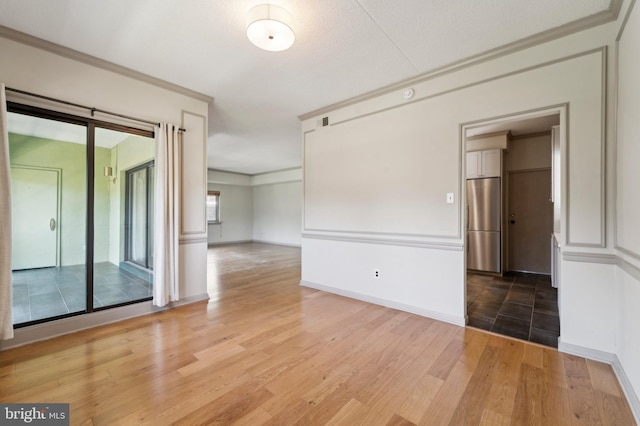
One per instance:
(93, 110)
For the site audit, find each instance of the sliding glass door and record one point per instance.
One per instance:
(121, 273)
(69, 254)
(48, 211)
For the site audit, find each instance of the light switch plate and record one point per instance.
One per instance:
(449, 197)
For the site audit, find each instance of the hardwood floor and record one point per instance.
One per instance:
(266, 351)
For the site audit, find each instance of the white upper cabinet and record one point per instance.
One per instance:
(473, 164)
(487, 163)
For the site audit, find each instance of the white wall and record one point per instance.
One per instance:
(236, 214)
(277, 213)
(392, 162)
(35, 70)
(627, 320)
(265, 207)
(628, 204)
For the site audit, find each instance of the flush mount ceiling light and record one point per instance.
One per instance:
(270, 27)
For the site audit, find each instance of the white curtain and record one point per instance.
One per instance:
(6, 321)
(167, 215)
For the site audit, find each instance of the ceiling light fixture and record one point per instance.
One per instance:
(270, 27)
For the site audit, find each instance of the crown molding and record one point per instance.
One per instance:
(75, 55)
(288, 169)
(600, 18)
(625, 20)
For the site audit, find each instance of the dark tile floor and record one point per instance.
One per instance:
(49, 292)
(524, 306)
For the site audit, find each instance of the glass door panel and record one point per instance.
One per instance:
(49, 198)
(121, 273)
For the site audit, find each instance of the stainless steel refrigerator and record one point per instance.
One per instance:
(483, 224)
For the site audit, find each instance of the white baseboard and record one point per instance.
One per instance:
(222, 243)
(593, 354)
(51, 329)
(451, 319)
(275, 243)
(627, 388)
(608, 358)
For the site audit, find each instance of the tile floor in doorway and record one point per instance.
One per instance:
(49, 292)
(519, 305)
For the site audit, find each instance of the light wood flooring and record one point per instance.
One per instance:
(266, 351)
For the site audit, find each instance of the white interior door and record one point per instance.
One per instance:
(34, 217)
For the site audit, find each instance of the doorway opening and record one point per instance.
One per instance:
(511, 275)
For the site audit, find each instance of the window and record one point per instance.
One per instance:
(213, 206)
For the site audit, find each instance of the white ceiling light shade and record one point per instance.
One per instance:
(270, 27)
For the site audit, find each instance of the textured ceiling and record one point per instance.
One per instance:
(343, 48)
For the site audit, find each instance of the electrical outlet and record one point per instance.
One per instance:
(376, 273)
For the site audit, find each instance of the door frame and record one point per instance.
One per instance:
(562, 165)
(58, 173)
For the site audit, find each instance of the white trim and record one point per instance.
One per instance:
(602, 258)
(183, 167)
(391, 242)
(629, 268)
(288, 169)
(51, 329)
(628, 252)
(84, 58)
(566, 164)
(224, 243)
(276, 243)
(553, 34)
(192, 240)
(624, 23)
(627, 388)
(584, 352)
(273, 243)
(253, 185)
(451, 319)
